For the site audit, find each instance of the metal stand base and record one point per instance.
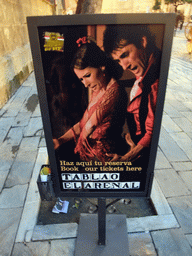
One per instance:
(116, 236)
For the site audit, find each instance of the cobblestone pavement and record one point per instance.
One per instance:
(23, 149)
(179, 50)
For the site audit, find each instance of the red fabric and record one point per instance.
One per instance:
(133, 108)
(98, 144)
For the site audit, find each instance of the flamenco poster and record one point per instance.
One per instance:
(101, 101)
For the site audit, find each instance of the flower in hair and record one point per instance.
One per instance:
(81, 40)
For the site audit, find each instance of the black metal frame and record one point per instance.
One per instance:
(168, 20)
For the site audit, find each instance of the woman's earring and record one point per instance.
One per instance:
(103, 70)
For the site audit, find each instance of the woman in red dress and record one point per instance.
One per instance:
(99, 130)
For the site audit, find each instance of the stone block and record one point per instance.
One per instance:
(150, 223)
(182, 208)
(37, 112)
(40, 248)
(2, 45)
(171, 111)
(28, 220)
(31, 101)
(55, 231)
(3, 177)
(32, 204)
(21, 249)
(28, 235)
(183, 123)
(161, 161)
(171, 84)
(2, 110)
(184, 142)
(3, 96)
(182, 166)
(5, 125)
(17, 102)
(31, 249)
(13, 197)
(187, 178)
(22, 119)
(62, 247)
(184, 96)
(18, 62)
(169, 124)
(179, 106)
(42, 158)
(8, 8)
(23, 31)
(7, 153)
(9, 219)
(42, 143)
(33, 192)
(188, 115)
(189, 238)
(171, 242)
(22, 168)
(29, 144)
(14, 136)
(34, 128)
(158, 199)
(188, 104)
(30, 81)
(171, 183)
(170, 148)
(169, 96)
(189, 134)
(141, 244)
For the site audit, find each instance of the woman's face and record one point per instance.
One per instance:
(91, 78)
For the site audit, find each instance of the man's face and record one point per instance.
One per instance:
(131, 58)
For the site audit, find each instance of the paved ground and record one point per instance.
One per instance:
(23, 145)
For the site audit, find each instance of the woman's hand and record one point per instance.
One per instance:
(82, 140)
(56, 143)
(69, 135)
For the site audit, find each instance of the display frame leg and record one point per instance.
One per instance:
(101, 221)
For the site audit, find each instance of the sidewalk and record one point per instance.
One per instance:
(23, 150)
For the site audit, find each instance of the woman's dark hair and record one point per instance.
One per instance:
(90, 55)
(118, 36)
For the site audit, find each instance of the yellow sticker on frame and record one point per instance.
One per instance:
(53, 42)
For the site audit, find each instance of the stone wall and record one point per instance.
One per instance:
(70, 6)
(127, 6)
(15, 55)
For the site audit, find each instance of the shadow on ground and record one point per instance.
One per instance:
(135, 207)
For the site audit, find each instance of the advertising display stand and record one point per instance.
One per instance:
(101, 82)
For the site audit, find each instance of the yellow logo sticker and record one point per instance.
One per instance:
(53, 42)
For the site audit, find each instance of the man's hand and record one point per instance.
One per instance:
(129, 140)
(114, 157)
(56, 143)
(132, 155)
